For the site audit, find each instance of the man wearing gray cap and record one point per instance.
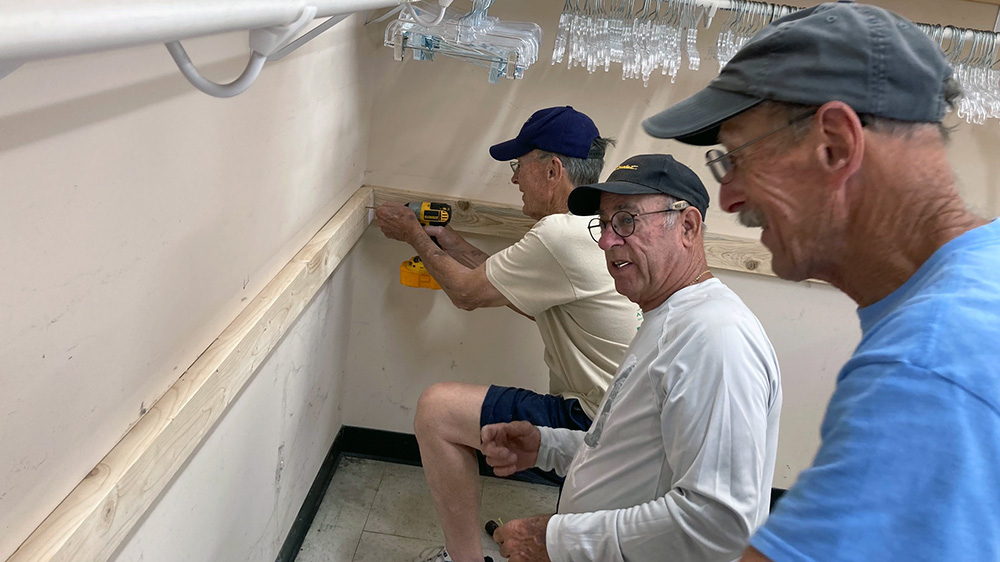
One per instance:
(831, 123)
(678, 463)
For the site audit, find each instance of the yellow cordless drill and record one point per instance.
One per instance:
(413, 272)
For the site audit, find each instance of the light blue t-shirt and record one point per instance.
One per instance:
(909, 466)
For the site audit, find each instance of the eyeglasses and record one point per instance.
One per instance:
(722, 165)
(515, 165)
(623, 222)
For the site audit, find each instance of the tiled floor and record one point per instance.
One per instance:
(383, 512)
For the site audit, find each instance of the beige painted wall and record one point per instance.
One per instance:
(432, 125)
(240, 492)
(139, 216)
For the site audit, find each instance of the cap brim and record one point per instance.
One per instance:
(697, 119)
(510, 150)
(586, 199)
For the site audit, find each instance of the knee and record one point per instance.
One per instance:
(432, 407)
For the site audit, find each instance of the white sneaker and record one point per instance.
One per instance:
(439, 554)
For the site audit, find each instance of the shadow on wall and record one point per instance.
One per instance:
(25, 128)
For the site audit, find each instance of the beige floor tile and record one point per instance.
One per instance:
(341, 518)
(376, 511)
(377, 547)
(508, 499)
(403, 506)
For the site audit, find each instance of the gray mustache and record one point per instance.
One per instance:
(752, 218)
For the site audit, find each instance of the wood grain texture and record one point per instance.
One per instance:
(468, 215)
(506, 221)
(102, 510)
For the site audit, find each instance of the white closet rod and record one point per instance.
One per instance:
(32, 30)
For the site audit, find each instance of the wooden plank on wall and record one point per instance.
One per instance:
(506, 221)
(102, 510)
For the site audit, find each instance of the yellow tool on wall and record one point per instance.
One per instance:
(413, 272)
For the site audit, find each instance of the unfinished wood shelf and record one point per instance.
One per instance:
(506, 221)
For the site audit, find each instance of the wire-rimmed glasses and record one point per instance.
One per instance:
(623, 222)
(721, 164)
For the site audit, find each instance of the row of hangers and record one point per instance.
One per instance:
(645, 36)
(507, 48)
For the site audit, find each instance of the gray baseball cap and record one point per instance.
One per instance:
(875, 61)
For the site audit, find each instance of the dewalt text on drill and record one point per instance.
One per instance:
(413, 272)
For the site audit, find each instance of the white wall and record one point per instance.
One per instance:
(432, 125)
(139, 216)
(240, 492)
(405, 339)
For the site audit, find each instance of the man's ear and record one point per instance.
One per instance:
(554, 169)
(690, 223)
(842, 140)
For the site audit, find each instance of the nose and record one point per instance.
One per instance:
(731, 197)
(609, 239)
(513, 178)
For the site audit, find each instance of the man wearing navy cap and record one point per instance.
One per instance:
(678, 464)
(554, 275)
(831, 124)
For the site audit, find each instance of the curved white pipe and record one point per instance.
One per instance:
(421, 21)
(229, 90)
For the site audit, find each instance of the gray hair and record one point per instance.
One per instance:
(583, 171)
(670, 218)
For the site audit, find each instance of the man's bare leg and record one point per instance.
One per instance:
(447, 429)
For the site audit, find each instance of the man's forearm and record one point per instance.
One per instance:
(467, 288)
(445, 268)
(467, 254)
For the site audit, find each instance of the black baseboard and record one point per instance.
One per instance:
(304, 519)
(389, 446)
(377, 444)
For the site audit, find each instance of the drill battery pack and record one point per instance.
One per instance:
(413, 273)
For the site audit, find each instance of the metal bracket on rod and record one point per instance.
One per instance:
(307, 37)
(263, 43)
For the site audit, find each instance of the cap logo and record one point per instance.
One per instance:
(627, 167)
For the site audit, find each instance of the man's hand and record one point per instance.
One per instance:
(398, 222)
(523, 540)
(510, 447)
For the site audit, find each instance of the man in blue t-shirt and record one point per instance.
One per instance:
(832, 122)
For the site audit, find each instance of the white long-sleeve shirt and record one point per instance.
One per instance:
(679, 462)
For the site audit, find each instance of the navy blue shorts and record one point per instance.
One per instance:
(504, 404)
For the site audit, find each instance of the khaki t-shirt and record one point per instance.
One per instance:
(558, 274)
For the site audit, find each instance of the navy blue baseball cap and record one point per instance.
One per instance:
(561, 130)
(641, 175)
(875, 61)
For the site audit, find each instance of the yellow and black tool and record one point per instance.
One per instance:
(413, 272)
